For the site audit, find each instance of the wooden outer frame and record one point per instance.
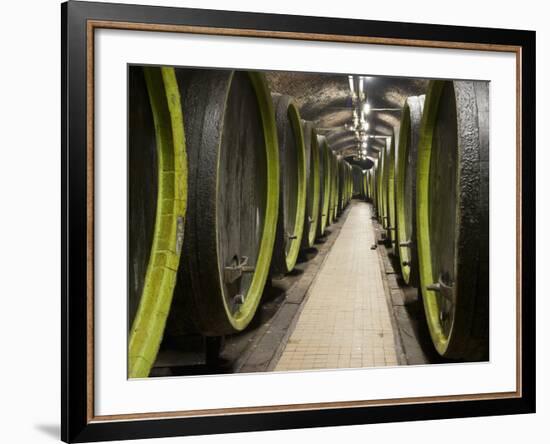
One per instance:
(79, 20)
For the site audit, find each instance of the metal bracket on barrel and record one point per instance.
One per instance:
(442, 288)
(233, 272)
(291, 236)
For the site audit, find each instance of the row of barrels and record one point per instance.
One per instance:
(430, 189)
(226, 185)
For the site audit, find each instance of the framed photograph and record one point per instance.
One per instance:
(275, 221)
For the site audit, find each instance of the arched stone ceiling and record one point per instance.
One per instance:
(325, 100)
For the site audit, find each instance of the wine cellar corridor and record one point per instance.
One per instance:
(290, 221)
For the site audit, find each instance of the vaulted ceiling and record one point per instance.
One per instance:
(325, 100)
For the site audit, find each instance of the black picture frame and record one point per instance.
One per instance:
(77, 424)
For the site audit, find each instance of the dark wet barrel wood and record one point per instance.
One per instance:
(143, 186)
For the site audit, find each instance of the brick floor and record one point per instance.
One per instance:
(345, 322)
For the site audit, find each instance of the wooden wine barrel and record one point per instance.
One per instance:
(346, 184)
(342, 182)
(379, 162)
(333, 207)
(313, 185)
(350, 184)
(381, 186)
(292, 185)
(324, 170)
(330, 217)
(336, 176)
(452, 217)
(390, 196)
(405, 188)
(233, 199)
(373, 186)
(357, 181)
(157, 206)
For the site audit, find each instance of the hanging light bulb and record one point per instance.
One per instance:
(366, 108)
(352, 89)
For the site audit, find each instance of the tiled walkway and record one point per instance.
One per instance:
(345, 322)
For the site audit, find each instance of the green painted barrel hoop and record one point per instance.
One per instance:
(468, 195)
(149, 323)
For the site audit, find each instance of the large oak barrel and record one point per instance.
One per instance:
(292, 185)
(365, 191)
(324, 169)
(382, 175)
(157, 206)
(349, 193)
(346, 186)
(452, 217)
(330, 216)
(357, 180)
(405, 188)
(342, 182)
(311, 218)
(336, 176)
(390, 195)
(373, 185)
(333, 206)
(233, 199)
